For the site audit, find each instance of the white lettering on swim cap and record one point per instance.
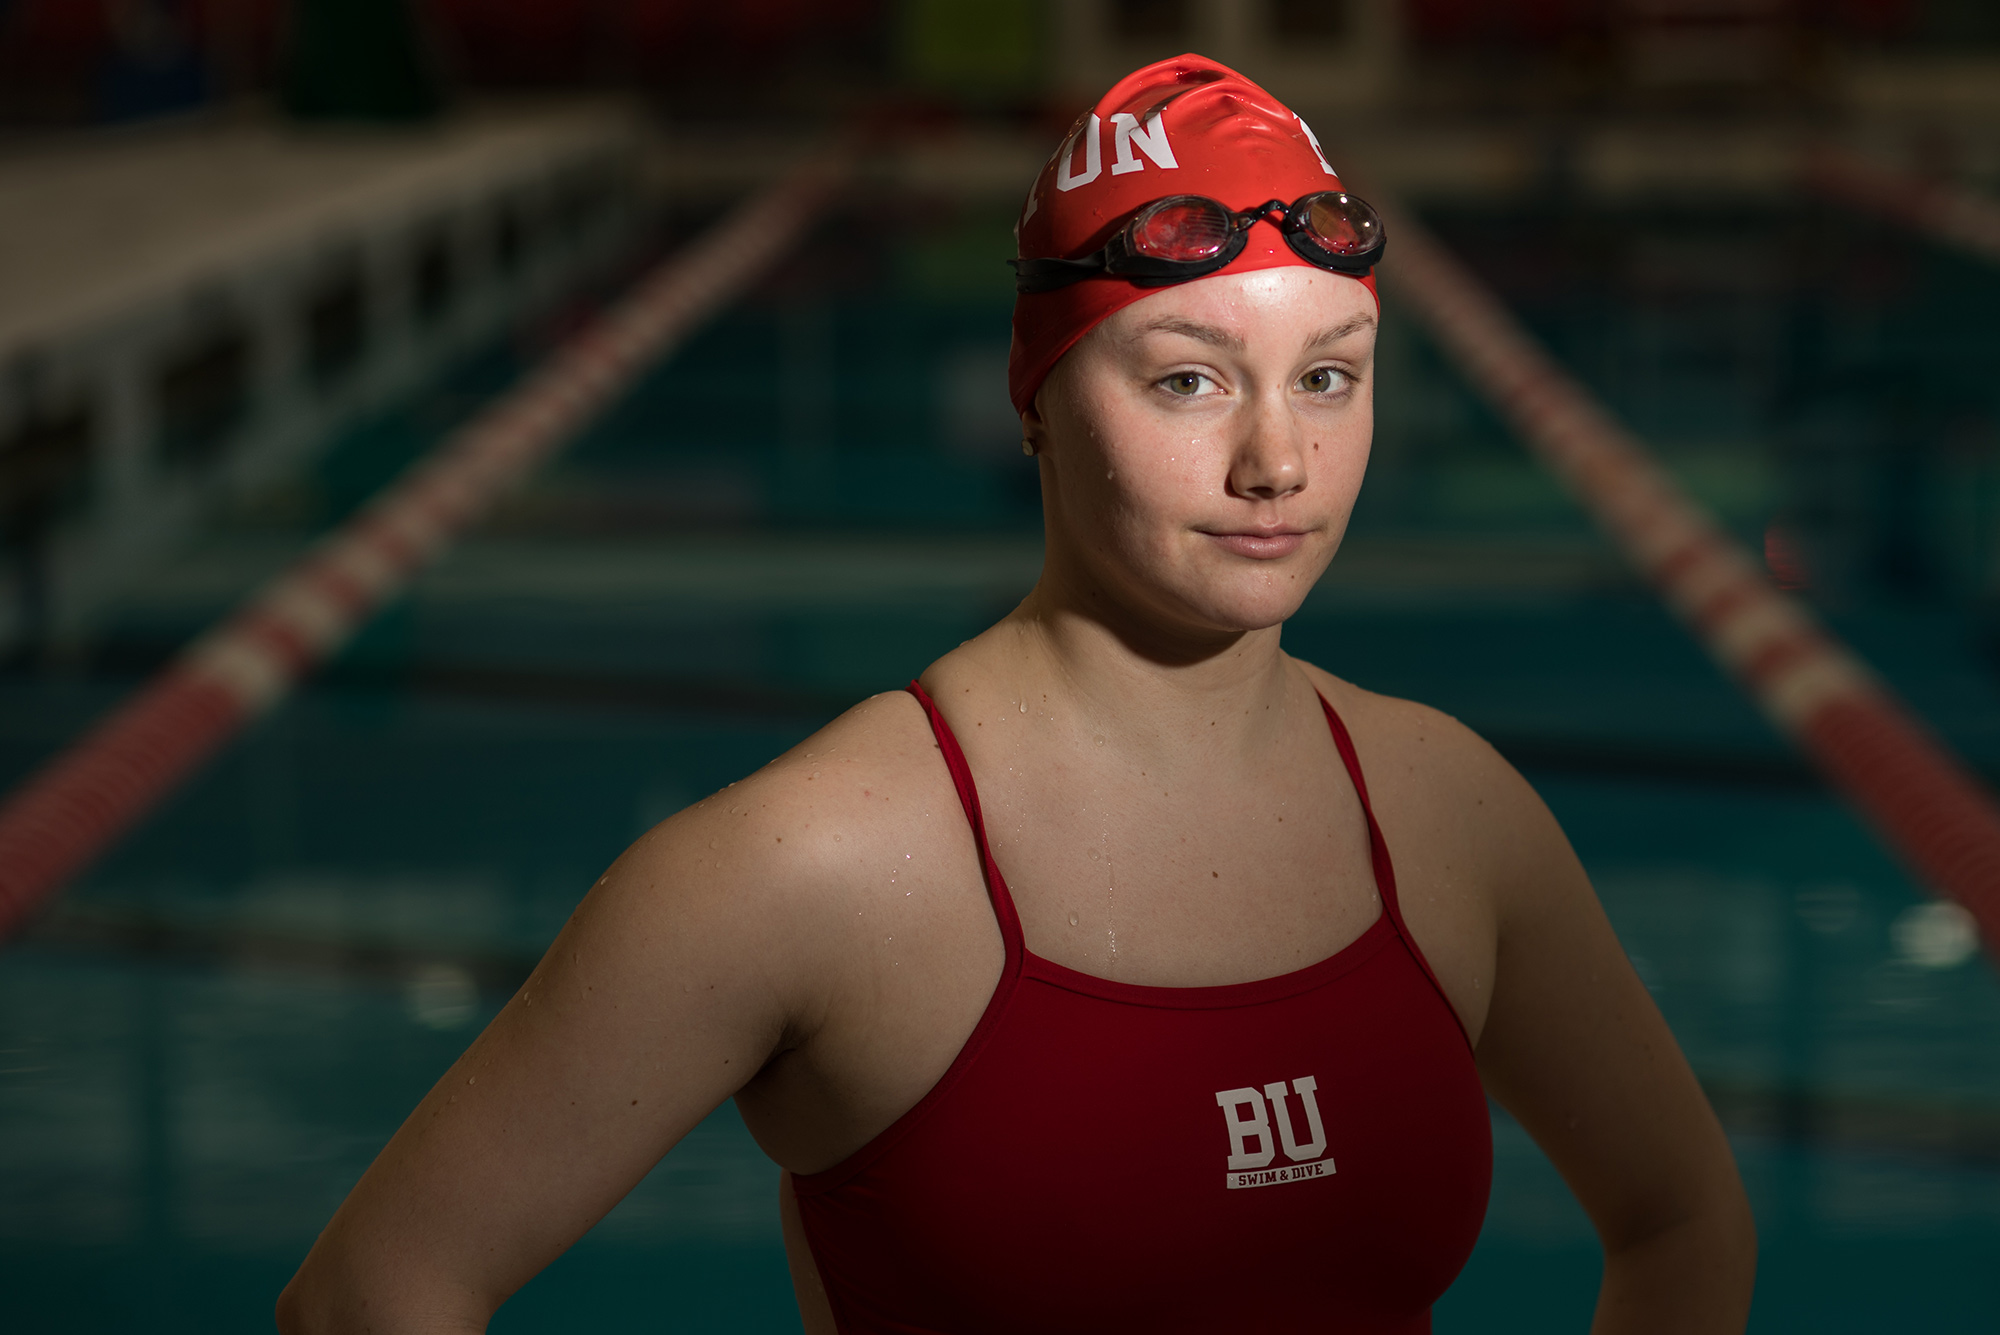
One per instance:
(1152, 141)
(1313, 139)
(1093, 157)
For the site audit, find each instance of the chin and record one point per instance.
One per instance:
(1240, 610)
(1239, 596)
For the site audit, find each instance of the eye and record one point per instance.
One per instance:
(1323, 380)
(1187, 384)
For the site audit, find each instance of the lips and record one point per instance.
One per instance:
(1260, 544)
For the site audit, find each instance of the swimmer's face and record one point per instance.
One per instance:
(1201, 450)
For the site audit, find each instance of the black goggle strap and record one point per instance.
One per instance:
(1050, 274)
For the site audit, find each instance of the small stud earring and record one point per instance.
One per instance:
(1027, 447)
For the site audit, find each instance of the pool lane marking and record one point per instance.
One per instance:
(1920, 798)
(71, 810)
(1939, 210)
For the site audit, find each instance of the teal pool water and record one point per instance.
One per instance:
(204, 1044)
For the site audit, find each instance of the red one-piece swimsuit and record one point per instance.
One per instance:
(1309, 1152)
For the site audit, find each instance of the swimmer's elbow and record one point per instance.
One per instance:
(1695, 1276)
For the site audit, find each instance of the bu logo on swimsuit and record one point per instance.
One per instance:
(1252, 1146)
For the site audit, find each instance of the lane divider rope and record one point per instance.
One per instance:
(1936, 209)
(1919, 797)
(65, 815)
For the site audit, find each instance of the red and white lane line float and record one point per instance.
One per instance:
(1936, 209)
(1920, 798)
(65, 815)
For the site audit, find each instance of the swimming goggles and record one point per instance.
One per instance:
(1182, 237)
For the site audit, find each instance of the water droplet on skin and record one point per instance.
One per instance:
(1024, 706)
(1072, 920)
(1095, 855)
(1100, 739)
(815, 774)
(836, 838)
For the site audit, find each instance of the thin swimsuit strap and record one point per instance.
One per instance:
(1003, 898)
(1378, 852)
(968, 796)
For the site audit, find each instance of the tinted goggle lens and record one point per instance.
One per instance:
(1185, 236)
(1186, 229)
(1339, 223)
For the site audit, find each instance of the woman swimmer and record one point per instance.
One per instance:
(1163, 1040)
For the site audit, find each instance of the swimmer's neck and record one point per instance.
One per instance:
(1049, 649)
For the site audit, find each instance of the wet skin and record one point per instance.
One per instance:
(1163, 798)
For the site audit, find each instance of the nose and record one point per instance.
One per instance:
(1269, 461)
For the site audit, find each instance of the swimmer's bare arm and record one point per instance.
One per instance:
(1567, 1037)
(707, 948)
(1576, 1050)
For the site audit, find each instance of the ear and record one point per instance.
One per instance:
(1054, 397)
(1034, 429)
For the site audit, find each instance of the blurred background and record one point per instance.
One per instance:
(257, 257)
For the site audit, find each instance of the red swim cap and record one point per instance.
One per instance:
(1186, 126)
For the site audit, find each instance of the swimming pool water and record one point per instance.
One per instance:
(206, 1041)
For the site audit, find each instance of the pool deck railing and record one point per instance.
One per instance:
(70, 811)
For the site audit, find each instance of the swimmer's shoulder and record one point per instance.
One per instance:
(783, 857)
(1405, 736)
(1441, 791)
(804, 816)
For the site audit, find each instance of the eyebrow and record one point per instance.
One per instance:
(1353, 324)
(1194, 329)
(1222, 338)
